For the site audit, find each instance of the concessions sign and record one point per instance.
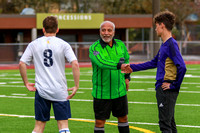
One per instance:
(73, 20)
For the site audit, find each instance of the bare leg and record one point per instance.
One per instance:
(39, 126)
(123, 119)
(99, 126)
(62, 124)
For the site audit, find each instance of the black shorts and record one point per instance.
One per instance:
(103, 107)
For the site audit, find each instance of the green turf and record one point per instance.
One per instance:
(142, 106)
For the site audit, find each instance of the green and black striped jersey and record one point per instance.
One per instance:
(108, 81)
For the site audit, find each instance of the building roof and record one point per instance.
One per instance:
(12, 21)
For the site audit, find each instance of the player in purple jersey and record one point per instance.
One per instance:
(170, 71)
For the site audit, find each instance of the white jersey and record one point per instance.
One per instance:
(48, 55)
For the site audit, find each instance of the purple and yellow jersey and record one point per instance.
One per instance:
(169, 63)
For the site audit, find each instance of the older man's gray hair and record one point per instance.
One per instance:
(108, 22)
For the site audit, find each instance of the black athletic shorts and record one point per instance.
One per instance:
(103, 107)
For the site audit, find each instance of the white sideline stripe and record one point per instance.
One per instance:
(85, 88)
(153, 82)
(22, 86)
(194, 72)
(80, 100)
(193, 69)
(15, 82)
(138, 90)
(87, 100)
(138, 123)
(147, 90)
(33, 74)
(191, 76)
(80, 92)
(16, 78)
(18, 94)
(152, 90)
(190, 91)
(17, 97)
(150, 82)
(16, 86)
(144, 76)
(184, 87)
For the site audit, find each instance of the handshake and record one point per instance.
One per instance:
(125, 68)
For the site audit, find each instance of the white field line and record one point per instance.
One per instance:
(80, 92)
(15, 86)
(184, 88)
(90, 74)
(88, 100)
(32, 74)
(134, 90)
(16, 94)
(16, 78)
(196, 72)
(137, 123)
(146, 82)
(151, 90)
(193, 69)
(17, 97)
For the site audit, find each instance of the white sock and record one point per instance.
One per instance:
(33, 132)
(64, 130)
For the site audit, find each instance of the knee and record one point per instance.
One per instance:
(123, 119)
(100, 123)
(39, 126)
(62, 124)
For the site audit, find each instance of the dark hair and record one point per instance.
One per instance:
(165, 17)
(50, 24)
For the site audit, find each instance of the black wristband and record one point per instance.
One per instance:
(127, 76)
(119, 65)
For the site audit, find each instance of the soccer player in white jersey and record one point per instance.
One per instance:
(48, 54)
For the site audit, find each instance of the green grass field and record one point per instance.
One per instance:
(17, 104)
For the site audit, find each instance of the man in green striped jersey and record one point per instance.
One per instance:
(109, 56)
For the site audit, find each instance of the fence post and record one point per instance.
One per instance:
(76, 50)
(33, 34)
(127, 39)
(181, 47)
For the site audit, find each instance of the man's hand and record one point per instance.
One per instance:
(74, 90)
(127, 84)
(126, 68)
(165, 86)
(30, 86)
(76, 75)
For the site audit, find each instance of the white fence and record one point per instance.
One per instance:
(138, 50)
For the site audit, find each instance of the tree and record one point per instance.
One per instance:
(123, 6)
(181, 9)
